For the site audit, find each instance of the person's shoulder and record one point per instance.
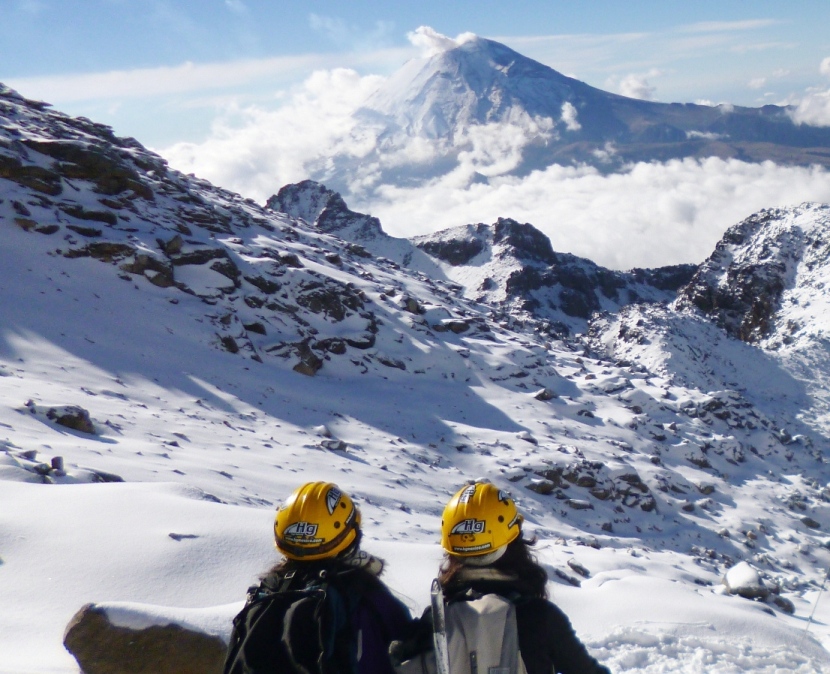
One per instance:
(544, 610)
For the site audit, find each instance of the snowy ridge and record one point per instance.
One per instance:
(225, 353)
(512, 265)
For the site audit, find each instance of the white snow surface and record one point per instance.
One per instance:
(659, 483)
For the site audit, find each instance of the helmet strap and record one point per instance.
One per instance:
(485, 560)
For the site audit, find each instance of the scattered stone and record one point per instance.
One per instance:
(541, 486)
(72, 417)
(567, 578)
(706, 488)
(545, 394)
(579, 504)
(527, 437)
(810, 523)
(579, 568)
(784, 604)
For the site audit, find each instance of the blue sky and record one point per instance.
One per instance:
(162, 70)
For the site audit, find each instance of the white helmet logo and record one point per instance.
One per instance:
(470, 526)
(301, 529)
(467, 494)
(332, 499)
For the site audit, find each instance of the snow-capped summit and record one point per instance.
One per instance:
(485, 110)
(479, 82)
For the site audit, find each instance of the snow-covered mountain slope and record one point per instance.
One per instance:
(766, 281)
(174, 360)
(513, 266)
(507, 266)
(511, 115)
(765, 286)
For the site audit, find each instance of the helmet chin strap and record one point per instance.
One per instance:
(485, 560)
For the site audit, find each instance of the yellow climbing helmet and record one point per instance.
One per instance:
(318, 521)
(479, 520)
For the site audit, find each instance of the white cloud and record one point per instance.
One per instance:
(814, 108)
(638, 86)
(651, 215)
(145, 82)
(237, 6)
(255, 151)
(569, 117)
(231, 79)
(707, 135)
(728, 26)
(431, 42)
(757, 82)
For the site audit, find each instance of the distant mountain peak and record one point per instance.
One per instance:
(434, 111)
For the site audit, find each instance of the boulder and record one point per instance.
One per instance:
(743, 580)
(103, 648)
(73, 417)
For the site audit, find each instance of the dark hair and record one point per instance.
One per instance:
(517, 561)
(285, 565)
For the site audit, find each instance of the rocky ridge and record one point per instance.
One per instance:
(507, 266)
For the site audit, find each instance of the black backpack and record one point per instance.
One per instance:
(307, 630)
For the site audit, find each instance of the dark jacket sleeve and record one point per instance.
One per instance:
(382, 619)
(548, 642)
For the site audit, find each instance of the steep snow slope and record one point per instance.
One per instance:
(225, 353)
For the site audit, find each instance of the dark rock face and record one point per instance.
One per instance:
(527, 241)
(528, 275)
(740, 285)
(455, 252)
(102, 648)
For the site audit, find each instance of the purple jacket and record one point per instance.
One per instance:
(380, 619)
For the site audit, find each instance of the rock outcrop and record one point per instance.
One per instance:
(100, 647)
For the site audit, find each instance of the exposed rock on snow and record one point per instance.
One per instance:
(767, 265)
(745, 581)
(101, 647)
(513, 266)
(69, 416)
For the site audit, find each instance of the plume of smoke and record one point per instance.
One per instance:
(431, 42)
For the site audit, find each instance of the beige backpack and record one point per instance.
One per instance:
(481, 638)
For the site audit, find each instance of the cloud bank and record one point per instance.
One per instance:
(650, 215)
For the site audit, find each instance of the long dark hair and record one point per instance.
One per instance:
(330, 564)
(517, 561)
